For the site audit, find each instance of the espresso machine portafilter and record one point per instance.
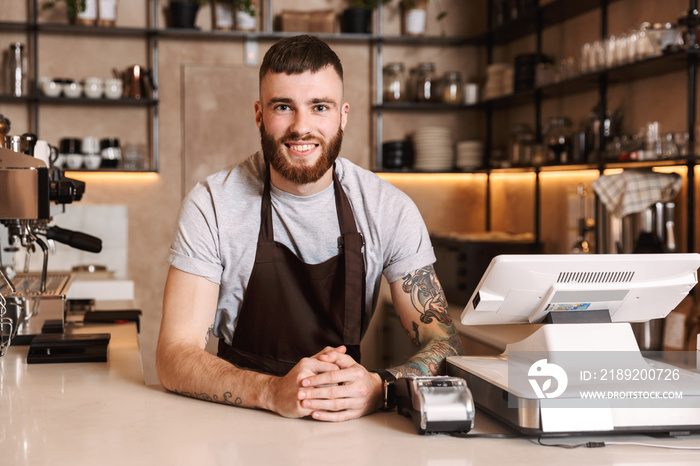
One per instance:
(28, 187)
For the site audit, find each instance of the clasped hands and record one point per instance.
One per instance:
(328, 386)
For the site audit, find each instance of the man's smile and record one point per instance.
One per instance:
(301, 149)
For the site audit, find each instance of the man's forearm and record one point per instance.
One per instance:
(431, 358)
(423, 310)
(199, 374)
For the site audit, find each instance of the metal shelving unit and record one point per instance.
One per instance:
(534, 23)
(531, 23)
(558, 12)
(33, 28)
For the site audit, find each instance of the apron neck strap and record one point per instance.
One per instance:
(345, 217)
(266, 232)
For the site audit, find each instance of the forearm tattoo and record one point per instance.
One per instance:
(427, 295)
(428, 299)
(226, 399)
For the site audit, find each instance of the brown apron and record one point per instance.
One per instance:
(292, 309)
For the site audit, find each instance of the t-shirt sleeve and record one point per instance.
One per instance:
(195, 247)
(408, 245)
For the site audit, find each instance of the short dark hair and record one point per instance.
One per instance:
(298, 54)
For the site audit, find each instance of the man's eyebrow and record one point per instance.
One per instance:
(279, 100)
(322, 100)
(315, 101)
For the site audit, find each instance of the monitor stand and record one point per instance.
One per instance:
(514, 399)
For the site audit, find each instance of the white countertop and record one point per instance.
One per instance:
(102, 413)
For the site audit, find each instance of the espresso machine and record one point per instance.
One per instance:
(34, 304)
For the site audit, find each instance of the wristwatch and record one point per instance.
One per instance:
(389, 388)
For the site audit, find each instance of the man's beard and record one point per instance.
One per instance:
(297, 173)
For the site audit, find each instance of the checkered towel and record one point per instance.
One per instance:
(633, 191)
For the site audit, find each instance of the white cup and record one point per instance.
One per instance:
(94, 87)
(93, 161)
(90, 145)
(113, 88)
(74, 161)
(72, 90)
(471, 93)
(49, 87)
(60, 160)
(41, 82)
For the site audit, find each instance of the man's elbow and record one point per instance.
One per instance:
(165, 366)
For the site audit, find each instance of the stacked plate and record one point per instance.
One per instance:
(433, 150)
(470, 155)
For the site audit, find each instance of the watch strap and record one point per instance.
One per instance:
(388, 388)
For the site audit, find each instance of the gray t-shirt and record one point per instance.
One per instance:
(219, 222)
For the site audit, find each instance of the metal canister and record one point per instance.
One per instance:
(17, 65)
(14, 143)
(23, 144)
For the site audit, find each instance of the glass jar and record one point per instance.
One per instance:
(425, 83)
(394, 83)
(521, 139)
(558, 139)
(452, 88)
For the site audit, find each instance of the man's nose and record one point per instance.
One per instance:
(301, 123)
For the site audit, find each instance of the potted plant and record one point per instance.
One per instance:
(87, 12)
(77, 10)
(357, 18)
(240, 13)
(245, 15)
(222, 14)
(107, 15)
(415, 15)
(183, 13)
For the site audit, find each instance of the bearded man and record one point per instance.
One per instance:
(281, 258)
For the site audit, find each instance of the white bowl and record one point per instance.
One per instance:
(72, 90)
(93, 161)
(60, 160)
(113, 88)
(50, 88)
(74, 161)
(93, 88)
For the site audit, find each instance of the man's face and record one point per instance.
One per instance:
(301, 119)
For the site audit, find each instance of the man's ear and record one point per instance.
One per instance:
(258, 113)
(344, 115)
